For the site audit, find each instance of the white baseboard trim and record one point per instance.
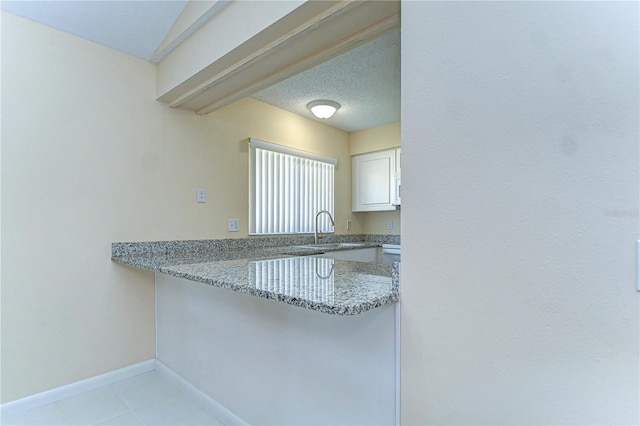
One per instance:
(216, 409)
(57, 394)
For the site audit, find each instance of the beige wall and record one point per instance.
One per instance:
(88, 158)
(375, 139)
(226, 165)
(376, 222)
(520, 132)
(369, 140)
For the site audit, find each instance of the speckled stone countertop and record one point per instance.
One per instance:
(285, 273)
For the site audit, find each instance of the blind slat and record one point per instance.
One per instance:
(287, 193)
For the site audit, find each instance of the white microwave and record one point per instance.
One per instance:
(398, 185)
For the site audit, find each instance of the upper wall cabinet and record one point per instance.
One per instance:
(375, 181)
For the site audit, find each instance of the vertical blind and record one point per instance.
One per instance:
(288, 187)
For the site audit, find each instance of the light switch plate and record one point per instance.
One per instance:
(233, 225)
(638, 265)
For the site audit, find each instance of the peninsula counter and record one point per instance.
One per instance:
(265, 362)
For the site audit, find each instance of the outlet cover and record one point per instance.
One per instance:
(233, 225)
(201, 196)
(390, 224)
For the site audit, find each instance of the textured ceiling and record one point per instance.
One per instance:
(133, 27)
(365, 81)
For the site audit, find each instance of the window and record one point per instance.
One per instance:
(287, 188)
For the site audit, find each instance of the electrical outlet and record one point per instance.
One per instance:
(201, 196)
(390, 225)
(233, 225)
(348, 225)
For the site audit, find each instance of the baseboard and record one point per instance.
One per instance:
(216, 409)
(57, 394)
(51, 396)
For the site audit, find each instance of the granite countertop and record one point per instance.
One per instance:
(286, 273)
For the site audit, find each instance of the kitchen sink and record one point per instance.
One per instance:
(348, 245)
(333, 245)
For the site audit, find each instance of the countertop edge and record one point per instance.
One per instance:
(289, 300)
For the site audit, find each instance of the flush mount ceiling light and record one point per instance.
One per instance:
(323, 109)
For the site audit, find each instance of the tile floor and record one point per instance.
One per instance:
(146, 399)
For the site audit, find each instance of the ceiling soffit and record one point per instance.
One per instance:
(312, 34)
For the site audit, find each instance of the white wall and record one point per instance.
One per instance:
(275, 364)
(520, 132)
(88, 158)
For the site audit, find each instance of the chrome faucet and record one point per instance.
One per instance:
(315, 230)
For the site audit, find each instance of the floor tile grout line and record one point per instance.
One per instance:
(187, 393)
(131, 410)
(107, 392)
(199, 410)
(119, 414)
(178, 391)
(108, 389)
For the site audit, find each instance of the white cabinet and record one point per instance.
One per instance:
(374, 180)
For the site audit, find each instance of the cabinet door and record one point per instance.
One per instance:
(373, 181)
